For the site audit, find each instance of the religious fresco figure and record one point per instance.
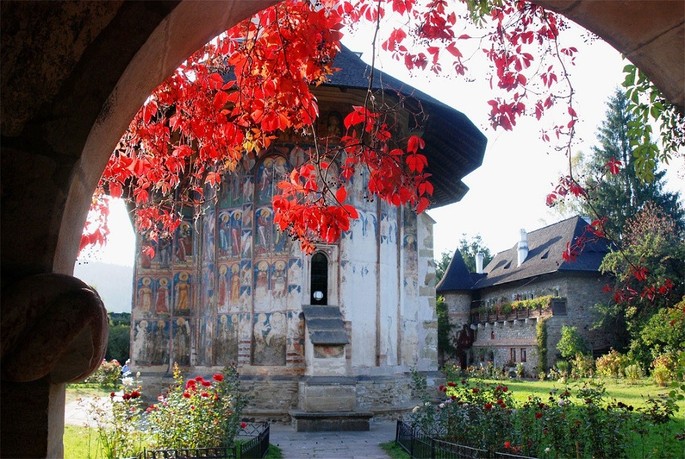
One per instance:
(226, 340)
(263, 235)
(163, 295)
(208, 226)
(141, 336)
(144, 295)
(222, 298)
(184, 243)
(182, 286)
(278, 279)
(261, 276)
(265, 181)
(207, 287)
(269, 339)
(181, 341)
(295, 338)
(235, 284)
(224, 232)
(236, 223)
(297, 156)
(334, 125)
(164, 252)
(158, 343)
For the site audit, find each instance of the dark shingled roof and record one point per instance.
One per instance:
(545, 256)
(457, 276)
(454, 145)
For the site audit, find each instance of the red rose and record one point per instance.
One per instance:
(199, 378)
(186, 395)
(507, 444)
(206, 383)
(451, 384)
(243, 425)
(538, 415)
(218, 377)
(204, 394)
(488, 406)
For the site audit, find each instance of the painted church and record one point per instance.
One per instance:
(330, 336)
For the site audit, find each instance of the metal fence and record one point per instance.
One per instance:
(421, 446)
(252, 442)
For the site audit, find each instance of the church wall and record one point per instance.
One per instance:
(229, 288)
(422, 256)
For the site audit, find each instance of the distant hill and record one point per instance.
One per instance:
(114, 283)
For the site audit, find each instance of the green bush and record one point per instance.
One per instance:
(582, 366)
(633, 373)
(571, 342)
(611, 364)
(663, 369)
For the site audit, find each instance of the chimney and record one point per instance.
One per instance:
(479, 262)
(523, 247)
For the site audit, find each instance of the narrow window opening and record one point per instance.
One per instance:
(319, 279)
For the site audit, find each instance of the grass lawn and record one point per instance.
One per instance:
(76, 391)
(81, 443)
(630, 394)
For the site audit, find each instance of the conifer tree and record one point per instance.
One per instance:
(619, 196)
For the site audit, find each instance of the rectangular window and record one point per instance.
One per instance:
(523, 354)
(513, 354)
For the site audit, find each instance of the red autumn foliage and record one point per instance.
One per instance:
(197, 125)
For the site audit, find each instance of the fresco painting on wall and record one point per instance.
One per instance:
(207, 288)
(182, 289)
(163, 296)
(269, 339)
(158, 343)
(144, 296)
(226, 340)
(184, 244)
(181, 341)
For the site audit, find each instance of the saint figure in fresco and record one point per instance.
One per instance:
(145, 295)
(182, 293)
(235, 284)
(162, 300)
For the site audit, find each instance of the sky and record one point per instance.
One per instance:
(507, 193)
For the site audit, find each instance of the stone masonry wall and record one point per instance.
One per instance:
(495, 342)
(512, 340)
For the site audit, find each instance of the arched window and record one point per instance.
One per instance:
(319, 279)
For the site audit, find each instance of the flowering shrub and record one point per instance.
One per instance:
(117, 421)
(566, 424)
(107, 375)
(611, 364)
(197, 413)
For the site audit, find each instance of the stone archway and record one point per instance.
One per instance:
(74, 74)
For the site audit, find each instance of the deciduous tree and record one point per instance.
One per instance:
(198, 125)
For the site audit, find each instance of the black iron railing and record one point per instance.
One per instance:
(421, 446)
(252, 442)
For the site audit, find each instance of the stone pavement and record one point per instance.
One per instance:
(294, 445)
(333, 445)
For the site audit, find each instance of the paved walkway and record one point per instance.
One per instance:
(294, 445)
(325, 445)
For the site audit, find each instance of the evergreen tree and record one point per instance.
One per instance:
(620, 196)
